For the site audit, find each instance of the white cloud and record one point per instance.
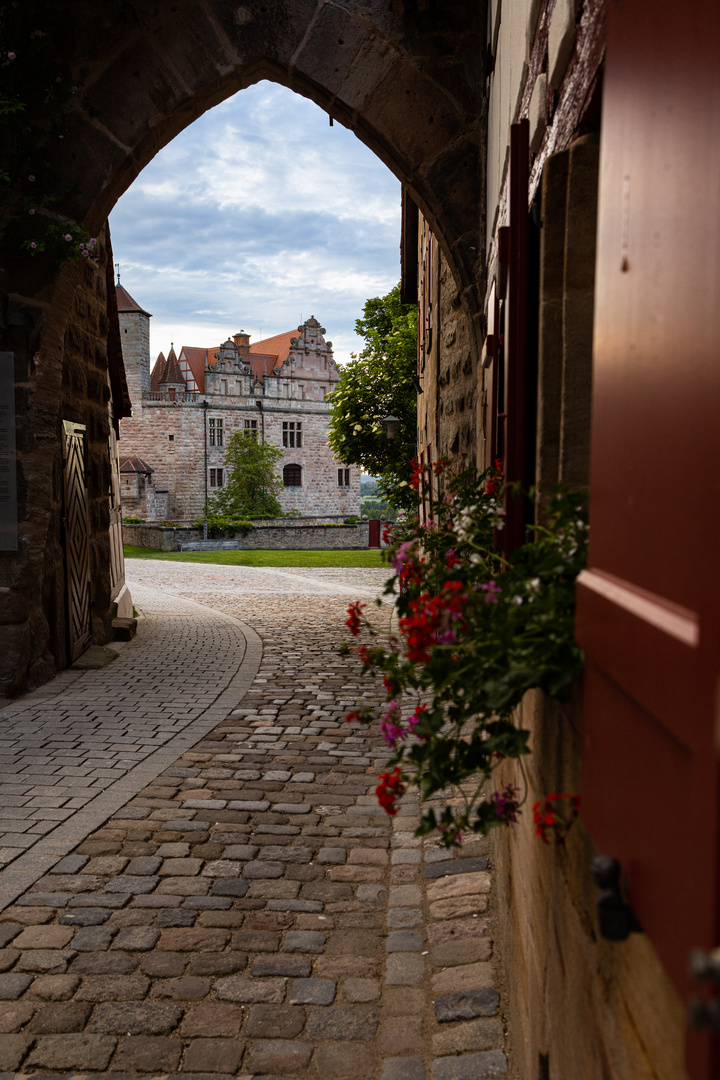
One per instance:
(257, 214)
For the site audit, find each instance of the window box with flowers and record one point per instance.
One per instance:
(477, 631)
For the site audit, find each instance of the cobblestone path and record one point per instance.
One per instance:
(250, 911)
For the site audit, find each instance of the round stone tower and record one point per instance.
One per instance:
(135, 337)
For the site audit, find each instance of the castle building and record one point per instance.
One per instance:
(187, 407)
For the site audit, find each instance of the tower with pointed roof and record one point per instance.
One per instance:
(135, 338)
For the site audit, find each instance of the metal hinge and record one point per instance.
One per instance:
(705, 1012)
(616, 918)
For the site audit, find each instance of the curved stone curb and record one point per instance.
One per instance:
(27, 868)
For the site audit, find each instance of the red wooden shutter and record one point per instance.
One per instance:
(516, 337)
(649, 604)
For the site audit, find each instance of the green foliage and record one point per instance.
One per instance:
(37, 93)
(376, 508)
(373, 385)
(220, 525)
(252, 484)
(352, 520)
(368, 557)
(133, 521)
(478, 631)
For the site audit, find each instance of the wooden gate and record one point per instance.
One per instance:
(374, 533)
(77, 549)
(649, 604)
(117, 558)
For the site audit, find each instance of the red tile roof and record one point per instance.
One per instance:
(157, 372)
(172, 373)
(125, 302)
(197, 360)
(131, 463)
(278, 346)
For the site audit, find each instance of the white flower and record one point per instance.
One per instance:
(517, 600)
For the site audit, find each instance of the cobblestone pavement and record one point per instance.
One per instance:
(250, 911)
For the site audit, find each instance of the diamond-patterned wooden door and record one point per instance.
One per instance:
(77, 550)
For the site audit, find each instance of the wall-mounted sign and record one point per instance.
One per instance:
(8, 459)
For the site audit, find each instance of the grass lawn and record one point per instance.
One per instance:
(369, 557)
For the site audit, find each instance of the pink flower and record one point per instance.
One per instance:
(31, 211)
(492, 591)
(33, 244)
(400, 557)
(31, 179)
(67, 236)
(390, 724)
(86, 252)
(11, 56)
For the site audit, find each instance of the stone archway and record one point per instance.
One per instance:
(407, 82)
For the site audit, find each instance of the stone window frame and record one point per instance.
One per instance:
(251, 426)
(217, 479)
(292, 475)
(215, 431)
(343, 477)
(292, 434)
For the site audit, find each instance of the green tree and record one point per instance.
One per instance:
(374, 384)
(252, 483)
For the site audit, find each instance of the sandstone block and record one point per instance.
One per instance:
(142, 1053)
(278, 1056)
(239, 988)
(340, 1022)
(483, 1066)
(216, 1055)
(57, 1052)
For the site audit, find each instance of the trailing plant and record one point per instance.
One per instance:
(477, 631)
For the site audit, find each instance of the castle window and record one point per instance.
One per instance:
(251, 426)
(322, 392)
(171, 438)
(215, 428)
(343, 478)
(292, 434)
(216, 478)
(292, 476)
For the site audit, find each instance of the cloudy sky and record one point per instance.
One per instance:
(257, 215)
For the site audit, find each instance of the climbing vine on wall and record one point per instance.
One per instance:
(477, 630)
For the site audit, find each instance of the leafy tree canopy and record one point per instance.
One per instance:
(252, 483)
(373, 385)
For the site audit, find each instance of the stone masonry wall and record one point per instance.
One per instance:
(333, 537)
(135, 340)
(179, 464)
(61, 374)
(457, 376)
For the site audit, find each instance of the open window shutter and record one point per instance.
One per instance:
(649, 604)
(516, 337)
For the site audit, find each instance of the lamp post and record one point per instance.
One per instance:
(205, 527)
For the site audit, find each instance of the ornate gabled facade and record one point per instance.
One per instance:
(188, 406)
